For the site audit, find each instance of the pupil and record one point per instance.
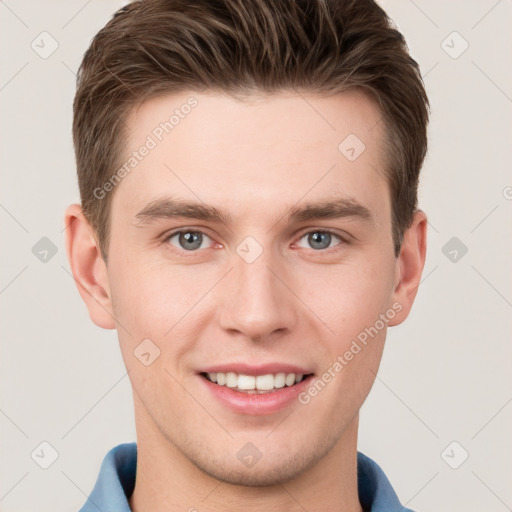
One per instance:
(190, 240)
(320, 240)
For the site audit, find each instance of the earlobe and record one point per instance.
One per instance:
(88, 268)
(410, 266)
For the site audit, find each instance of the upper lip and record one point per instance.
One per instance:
(262, 369)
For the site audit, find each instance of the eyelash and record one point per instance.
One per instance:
(343, 240)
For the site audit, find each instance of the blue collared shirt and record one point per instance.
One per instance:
(116, 482)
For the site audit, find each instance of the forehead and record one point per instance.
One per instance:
(254, 155)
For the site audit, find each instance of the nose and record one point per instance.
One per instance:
(257, 302)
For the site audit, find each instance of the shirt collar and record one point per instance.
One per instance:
(116, 482)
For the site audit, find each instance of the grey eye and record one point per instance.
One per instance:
(188, 240)
(319, 240)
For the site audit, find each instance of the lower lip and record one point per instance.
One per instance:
(253, 403)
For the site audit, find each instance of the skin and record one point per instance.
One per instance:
(255, 159)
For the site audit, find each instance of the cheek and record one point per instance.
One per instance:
(350, 302)
(156, 303)
(348, 297)
(154, 297)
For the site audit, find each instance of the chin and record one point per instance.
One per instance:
(265, 476)
(274, 468)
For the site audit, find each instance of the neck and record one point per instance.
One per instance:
(167, 481)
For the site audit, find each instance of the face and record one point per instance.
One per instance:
(247, 243)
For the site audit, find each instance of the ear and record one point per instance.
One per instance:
(88, 267)
(410, 263)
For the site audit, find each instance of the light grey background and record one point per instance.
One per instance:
(446, 373)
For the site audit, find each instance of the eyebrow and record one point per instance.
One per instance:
(170, 208)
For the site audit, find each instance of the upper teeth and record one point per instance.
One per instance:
(261, 382)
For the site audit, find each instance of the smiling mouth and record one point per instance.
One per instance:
(259, 384)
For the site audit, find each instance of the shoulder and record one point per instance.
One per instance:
(115, 482)
(375, 491)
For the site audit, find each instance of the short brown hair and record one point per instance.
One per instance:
(156, 47)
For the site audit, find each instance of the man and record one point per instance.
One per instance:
(248, 174)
